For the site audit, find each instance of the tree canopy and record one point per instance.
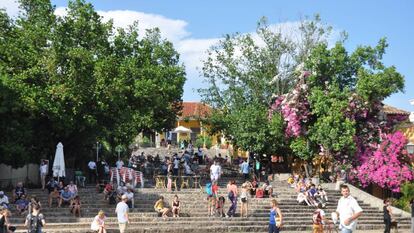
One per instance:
(244, 71)
(77, 79)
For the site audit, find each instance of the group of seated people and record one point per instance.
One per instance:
(64, 194)
(115, 195)
(161, 208)
(255, 190)
(308, 193)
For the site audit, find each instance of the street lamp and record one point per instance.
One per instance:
(98, 146)
(119, 149)
(410, 148)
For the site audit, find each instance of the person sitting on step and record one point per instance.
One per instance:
(54, 195)
(65, 197)
(98, 223)
(130, 194)
(73, 189)
(160, 208)
(75, 206)
(22, 205)
(176, 207)
(107, 190)
(268, 189)
(19, 192)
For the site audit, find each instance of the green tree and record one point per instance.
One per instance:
(244, 71)
(73, 79)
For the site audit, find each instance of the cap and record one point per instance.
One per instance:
(1, 193)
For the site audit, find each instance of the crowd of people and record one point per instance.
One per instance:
(253, 186)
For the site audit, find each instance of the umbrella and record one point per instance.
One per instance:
(182, 129)
(59, 162)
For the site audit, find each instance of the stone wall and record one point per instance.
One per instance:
(9, 175)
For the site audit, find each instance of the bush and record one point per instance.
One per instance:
(203, 139)
(146, 142)
(407, 191)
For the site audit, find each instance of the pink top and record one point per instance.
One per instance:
(233, 188)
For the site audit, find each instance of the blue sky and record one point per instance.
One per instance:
(195, 25)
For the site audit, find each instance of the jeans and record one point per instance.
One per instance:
(232, 210)
(387, 223)
(273, 228)
(345, 230)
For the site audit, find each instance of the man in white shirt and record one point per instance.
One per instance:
(215, 171)
(4, 200)
(122, 214)
(43, 172)
(348, 210)
(92, 171)
(119, 164)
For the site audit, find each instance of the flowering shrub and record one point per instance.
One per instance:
(386, 165)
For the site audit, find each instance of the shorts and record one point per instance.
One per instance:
(244, 199)
(123, 227)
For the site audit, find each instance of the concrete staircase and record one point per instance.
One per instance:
(194, 213)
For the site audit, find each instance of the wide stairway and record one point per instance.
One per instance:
(194, 213)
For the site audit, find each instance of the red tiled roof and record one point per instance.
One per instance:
(195, 110)
(392, 110)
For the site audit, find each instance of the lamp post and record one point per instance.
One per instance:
(410, 148)
(119, 149)
(98, 146)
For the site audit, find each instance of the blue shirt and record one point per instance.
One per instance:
(245, 168)
(273, 215)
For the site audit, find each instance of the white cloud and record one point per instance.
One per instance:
(192, 50)
(11, 6)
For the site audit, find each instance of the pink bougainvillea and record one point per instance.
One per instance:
(294, 107)
(386, 165)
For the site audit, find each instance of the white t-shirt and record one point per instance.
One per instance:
(121, 209)
(97, 222)
(346, 208)
(43, 169)
(119, 164)
(4, 199)
(130, 195)
(215, 169)
(176, 163)
(92, 165)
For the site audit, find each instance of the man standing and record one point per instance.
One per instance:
(215, 171)
(119, 164)
(244, 167)
(92, 171)
(348, 210)
(43, 172)
(122, 214)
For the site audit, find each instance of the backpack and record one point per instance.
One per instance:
(35, 223)
(317, 218)
(259, 193)
(209, 190)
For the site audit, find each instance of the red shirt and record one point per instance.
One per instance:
(214, 189)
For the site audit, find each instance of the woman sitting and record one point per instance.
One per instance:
(98, 223)
(160, 208)
(176, 207)
(76, 206)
